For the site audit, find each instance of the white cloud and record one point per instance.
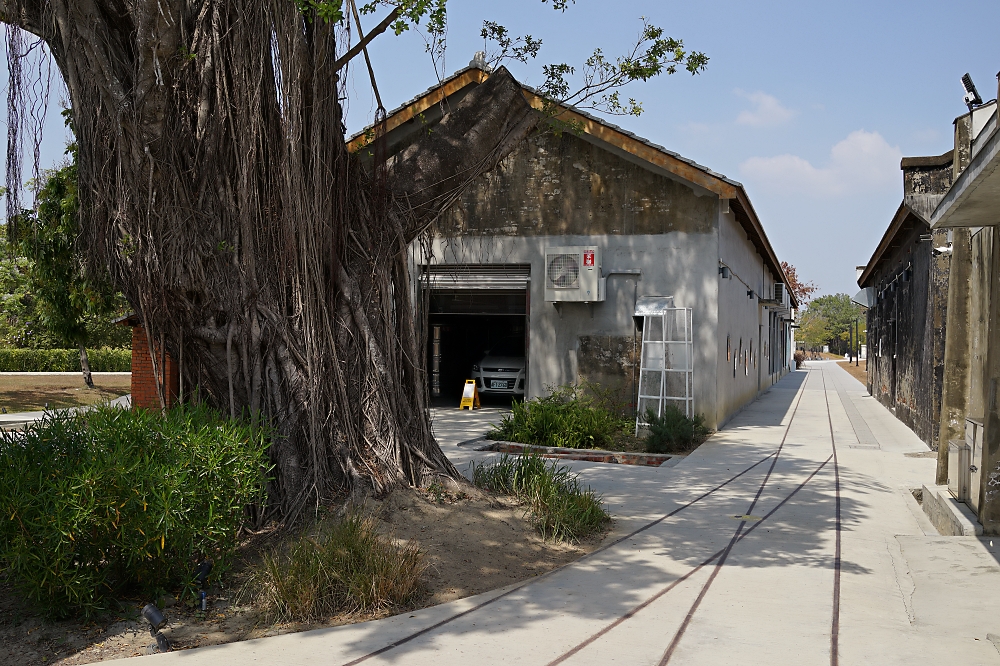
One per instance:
(767, 111)
(863, 162)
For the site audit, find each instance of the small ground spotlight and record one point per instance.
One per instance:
(156, 621)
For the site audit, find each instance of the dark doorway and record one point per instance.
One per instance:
(468, 325)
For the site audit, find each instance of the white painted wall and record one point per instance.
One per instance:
(679, 264)
(743, 349)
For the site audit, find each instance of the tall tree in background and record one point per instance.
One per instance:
(72, 302)
(216, 187)
(803, 291)
(828, 321)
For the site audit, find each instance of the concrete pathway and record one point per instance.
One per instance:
(17, 420)
(790, 537)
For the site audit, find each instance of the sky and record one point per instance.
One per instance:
(809, 104)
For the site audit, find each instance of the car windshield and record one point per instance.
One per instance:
(507, 348)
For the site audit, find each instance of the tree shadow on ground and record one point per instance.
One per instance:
(801, 491)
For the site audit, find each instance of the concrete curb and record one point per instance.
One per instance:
(63, 374)
(949, 516)
(923, 522)
(585, 455)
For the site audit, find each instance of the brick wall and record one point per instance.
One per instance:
(144, 393)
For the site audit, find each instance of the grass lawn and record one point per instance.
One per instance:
(28, 393)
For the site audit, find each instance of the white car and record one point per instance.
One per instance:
(500, 373)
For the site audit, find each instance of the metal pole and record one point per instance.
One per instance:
(857, 337)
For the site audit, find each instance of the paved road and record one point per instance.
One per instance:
(788, 538)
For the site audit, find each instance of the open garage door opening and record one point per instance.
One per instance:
(478, 329)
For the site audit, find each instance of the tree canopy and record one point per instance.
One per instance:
(802, 291)
(829, 320)
(72, 302)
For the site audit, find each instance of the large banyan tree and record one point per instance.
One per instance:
(217, 191)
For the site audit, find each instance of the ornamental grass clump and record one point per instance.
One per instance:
(673, 431)
(568, 418)
(344, 567)
(110, 501)
(560, 507)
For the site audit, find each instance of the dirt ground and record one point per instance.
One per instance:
(469, 545)
(859, 372)
(28, 393)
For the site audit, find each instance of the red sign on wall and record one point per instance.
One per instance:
(588, 258)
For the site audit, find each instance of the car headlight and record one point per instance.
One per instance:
(475, 368)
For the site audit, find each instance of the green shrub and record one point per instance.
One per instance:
(568, 418)
(344, 568)
(110, 499)
(560, 507)
(64, 360)
(674, 432)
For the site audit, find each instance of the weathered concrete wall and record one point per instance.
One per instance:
(556, 185)
(906, 332)
(983, 393)
(936, 325)
(955, 393)
(610, 362)
(955, 380)
(925, 181)
(963, 145)
(980, 295)
(563, 341)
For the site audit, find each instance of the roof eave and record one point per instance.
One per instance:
(762, 243)
(902, 214)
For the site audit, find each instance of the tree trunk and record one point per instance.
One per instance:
(216, 186)
(85, 364)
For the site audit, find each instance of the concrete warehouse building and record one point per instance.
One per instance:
(969, 436)
(595, 255)
(905, 289)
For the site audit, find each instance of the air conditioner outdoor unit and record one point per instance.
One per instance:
(573, 274)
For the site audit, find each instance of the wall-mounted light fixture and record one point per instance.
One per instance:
(750, 294)
(724, 272)
(906, 274)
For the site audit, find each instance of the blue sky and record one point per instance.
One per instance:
(809, 104)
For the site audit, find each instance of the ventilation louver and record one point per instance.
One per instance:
(782, 297)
